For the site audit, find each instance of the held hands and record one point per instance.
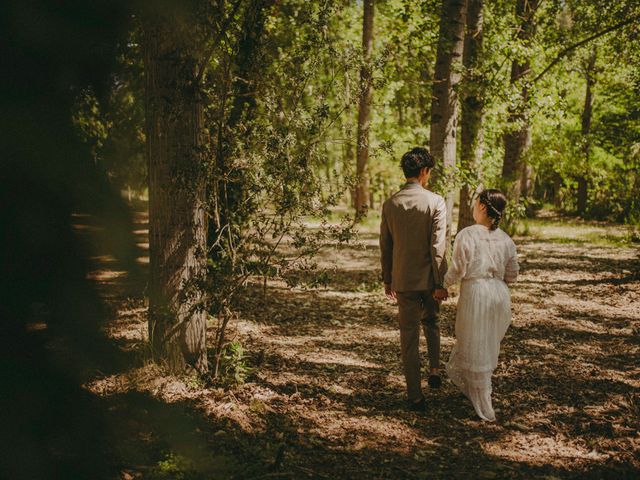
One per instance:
(391, 295)
(440, 294)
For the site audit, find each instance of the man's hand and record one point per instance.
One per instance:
(440, 294)
(391, 295)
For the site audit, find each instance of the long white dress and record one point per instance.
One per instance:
(484, 261)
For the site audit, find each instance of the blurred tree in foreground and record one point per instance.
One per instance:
(50, 336)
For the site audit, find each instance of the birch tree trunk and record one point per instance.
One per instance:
(177, 228)
(471, 138)
(517, 140)
(444, 98)
(364, 110)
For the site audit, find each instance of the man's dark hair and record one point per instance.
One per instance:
(415, 160)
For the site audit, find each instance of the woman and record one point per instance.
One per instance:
(485, 261)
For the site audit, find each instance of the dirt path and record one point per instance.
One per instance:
(325, 395)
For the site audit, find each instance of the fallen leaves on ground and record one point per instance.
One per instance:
(325, 396)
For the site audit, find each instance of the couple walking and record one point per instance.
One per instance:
(414, 269)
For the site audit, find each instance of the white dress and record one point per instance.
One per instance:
(484, 261)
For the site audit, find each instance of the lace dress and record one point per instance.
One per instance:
(484, 261)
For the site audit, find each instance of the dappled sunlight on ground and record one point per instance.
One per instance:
(536, 449)
(324, 395)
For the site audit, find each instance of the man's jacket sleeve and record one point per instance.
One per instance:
(386, 249)
(439, 243)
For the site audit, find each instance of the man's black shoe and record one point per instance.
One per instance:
(435, 381)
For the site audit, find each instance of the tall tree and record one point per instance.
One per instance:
(471, 138)
(347, 128)
(444, 103)
(583, 185)
(517, 139)
(177, 227)
(364, 109)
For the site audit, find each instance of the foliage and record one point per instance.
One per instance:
(175, 467)
(112, 123)
(233, 367)
(612, 165)
(266, 159)
(279, 81)
(308, 59)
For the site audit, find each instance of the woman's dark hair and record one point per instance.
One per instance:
(415, 160)
(495, 202)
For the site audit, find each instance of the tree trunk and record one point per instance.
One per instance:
(583, 185)
(517, 140)
(444, 99)
(349, 156)
(364, 110)
(348, 152)
(471, 138)
(557, 185)
(177, 227)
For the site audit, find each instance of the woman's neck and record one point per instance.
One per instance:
(485, 222)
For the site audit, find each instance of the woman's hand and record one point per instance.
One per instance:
(391, 295)
(440, 294)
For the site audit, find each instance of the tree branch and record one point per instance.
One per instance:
(221, 33)
(570, 48)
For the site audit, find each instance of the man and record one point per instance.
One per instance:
(412, 245)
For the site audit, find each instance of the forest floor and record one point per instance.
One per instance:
(324, 393)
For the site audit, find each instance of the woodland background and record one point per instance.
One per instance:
(190, 197)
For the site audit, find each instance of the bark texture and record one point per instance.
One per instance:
(177, 227)
(364, 110)
(516, 173)
(471, 138)
(444, 99)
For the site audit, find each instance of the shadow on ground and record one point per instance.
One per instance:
(325, 394)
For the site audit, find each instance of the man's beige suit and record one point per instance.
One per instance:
(413, 246)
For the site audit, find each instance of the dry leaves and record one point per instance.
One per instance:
(326, 396)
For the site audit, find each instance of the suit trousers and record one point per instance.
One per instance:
(417, 309)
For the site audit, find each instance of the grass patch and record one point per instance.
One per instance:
(576, 231)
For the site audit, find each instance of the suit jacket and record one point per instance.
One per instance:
(413, 239)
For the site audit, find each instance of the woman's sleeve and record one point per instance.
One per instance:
(511, 269)
(459, 260)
